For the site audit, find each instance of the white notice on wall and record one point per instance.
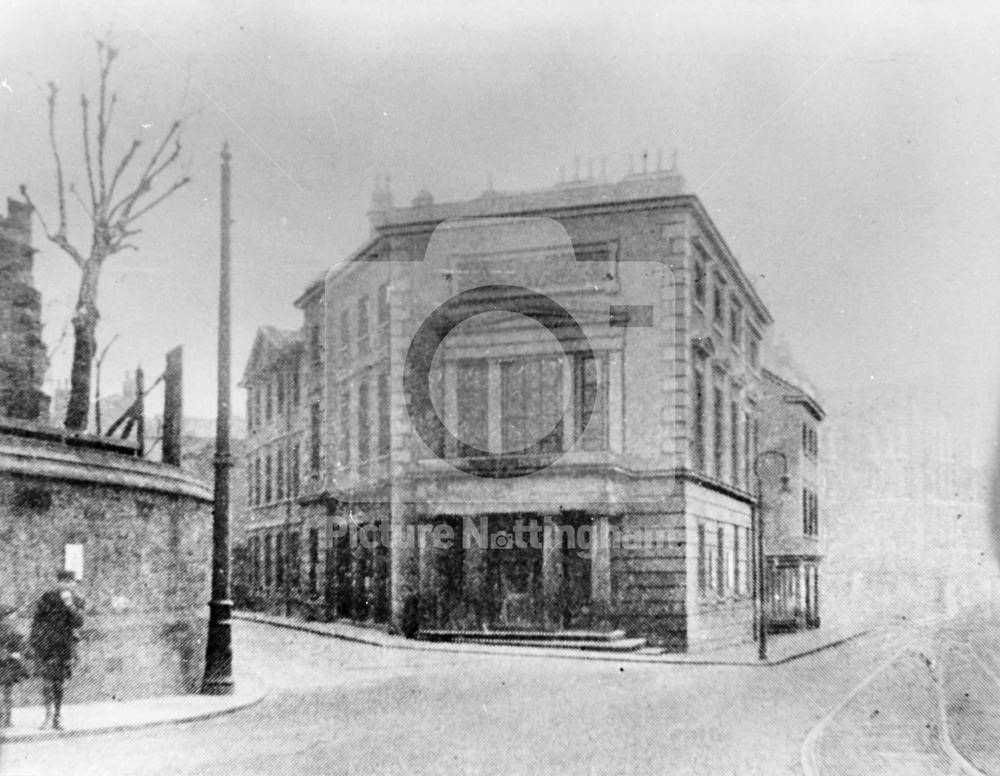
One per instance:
(74, 559)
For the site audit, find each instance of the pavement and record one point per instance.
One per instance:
(117, 716)
(781, 648)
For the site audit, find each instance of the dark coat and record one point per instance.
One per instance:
(13, 668)
(53, 635)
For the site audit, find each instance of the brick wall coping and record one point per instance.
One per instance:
(51, 459)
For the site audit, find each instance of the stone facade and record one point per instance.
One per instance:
(23, 359)
(140, 533)
(790, 498)
(619, 442)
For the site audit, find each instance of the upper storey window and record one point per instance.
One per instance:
(531, 391)
(345, 335)
(753, 347)
(736, 323)
(315, 346)
(719, 303)
(363, 323)
(383, 305)
(700, 280)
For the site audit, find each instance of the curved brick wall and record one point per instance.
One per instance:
(146, 535)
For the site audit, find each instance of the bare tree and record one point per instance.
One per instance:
(112, 215)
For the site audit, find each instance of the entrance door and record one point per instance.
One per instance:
(513, 574)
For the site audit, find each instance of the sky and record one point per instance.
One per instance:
(847, 153)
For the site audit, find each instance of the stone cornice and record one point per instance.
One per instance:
(67, 464)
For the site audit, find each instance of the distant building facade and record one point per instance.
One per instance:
(23, 359)
(591, 473)
(908, 501)
(790, 501)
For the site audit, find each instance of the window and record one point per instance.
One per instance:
(363, 323)
(345, 335)
(702, 561)
(734, 442)
(364, 428)
(315, 345)
(250, 406)
(294, 562)
(313, 559)
(719, 303)
(718, 421)
(720, 570)
(700, 278)
(279, 475)
(269, 403)
(345, 426)
(531, 405)
(296, 389)
(590, 387)
(267, 479)
(383, 305)
(738, 547)
(315, 443)
(281, 392)
(736, 324)
(254, 561)
(698, 435)
(754, 347)
(810, 513)
(267, 560)
(809, 441)
(279, 560)
(293, 471)
(382, 399)
(747, 455)
(471, 396)
(745, 568)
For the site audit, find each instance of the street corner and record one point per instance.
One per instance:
(120, 716)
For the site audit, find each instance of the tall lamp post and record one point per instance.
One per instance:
(757, 524)
(218, 679)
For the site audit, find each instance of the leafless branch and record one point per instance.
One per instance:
(122, 165)
(123, 209)
(106, 56)
(104, 350)
(182, 182)
(85, 109)
(62, 337)
(174, 129)
(73, 191)
(60, 186)
(58, 239)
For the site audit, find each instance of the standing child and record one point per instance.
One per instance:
(12, 665)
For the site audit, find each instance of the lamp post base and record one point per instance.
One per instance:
(218, 678)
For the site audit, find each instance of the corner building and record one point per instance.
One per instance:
(587, 473)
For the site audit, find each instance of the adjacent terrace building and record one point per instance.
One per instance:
(526, 411)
